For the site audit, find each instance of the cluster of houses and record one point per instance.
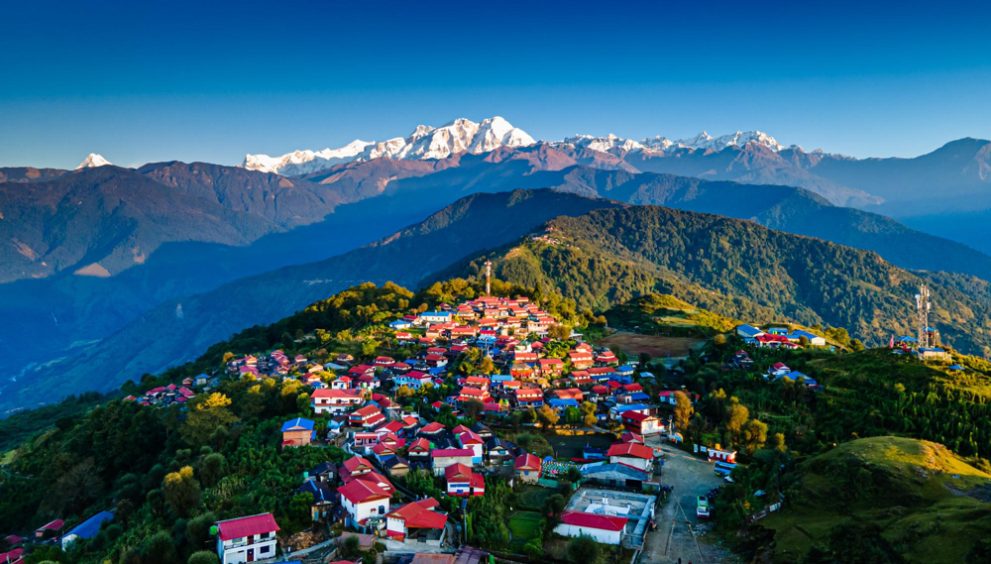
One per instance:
(163, 396)
(778, 337)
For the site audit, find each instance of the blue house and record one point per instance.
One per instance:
(748, 331)
(625, 370)
(400, 324)
(298, 432)
(560, 404)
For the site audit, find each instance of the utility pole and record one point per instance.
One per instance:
(488, 278)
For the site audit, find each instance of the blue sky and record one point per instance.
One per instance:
(143, 81)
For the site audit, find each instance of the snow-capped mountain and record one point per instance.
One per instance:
(306, 161)
(425, 142)
(93, 160)
(703, 141)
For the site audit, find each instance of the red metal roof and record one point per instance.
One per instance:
(359, 491)
(247, 526)
(593, 521)
(631, 449)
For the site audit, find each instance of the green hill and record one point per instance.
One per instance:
(927, 503)
(740, 269)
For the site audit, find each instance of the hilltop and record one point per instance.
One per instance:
(883, 498)
(739, 269)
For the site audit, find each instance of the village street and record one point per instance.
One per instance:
(678, 529)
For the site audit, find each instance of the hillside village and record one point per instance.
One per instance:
(411, 457)
(419, 443)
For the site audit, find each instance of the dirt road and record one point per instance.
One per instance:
(680, 534)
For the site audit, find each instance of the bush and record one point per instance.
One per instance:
(203, 557)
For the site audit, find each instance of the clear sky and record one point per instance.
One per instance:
(148, 81)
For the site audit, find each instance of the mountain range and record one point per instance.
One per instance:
(954, 177)
(97, 256)
(594, 251)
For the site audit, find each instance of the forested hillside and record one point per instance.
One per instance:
(740, 269)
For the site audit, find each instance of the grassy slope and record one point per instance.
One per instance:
(925, 498)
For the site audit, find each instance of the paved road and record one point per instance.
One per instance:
(679, 533)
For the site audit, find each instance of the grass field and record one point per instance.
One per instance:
(655, 345)
(929, 503)
(533, 497)
(524, 527)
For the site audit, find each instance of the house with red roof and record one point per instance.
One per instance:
(367, 417)
(362, 500)
(606, 357)
(14, 556)
(342, 383)
(551, 366)
(462, 481)
(333, 400)
(581, 360)
(470, 440)
(415, 518)
(632, 454)
(527, 467)
(642, 423)
(441, 458)
(469, 393)
(246, 539)
(605, 529)
(529, 397)
(419, 450)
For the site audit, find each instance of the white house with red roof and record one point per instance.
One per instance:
(414, 517)
(362, 500)
(605, 529)
(367, 417)
(334, 401)
(246, 539)
(641, 423)
(470, 440)
(527, 467)
(441, 458)
(632, 454)
(462, 481)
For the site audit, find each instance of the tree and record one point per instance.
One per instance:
(472, 408)
(159, 549)
(486, 366)
(754, 435)
(583, 550)
(198, 530)
(554, 505)
(547, 415)
(559, 332)
(203, 557)
(779, 443)
(207, 417)
(181, 490)
(720, 340)
(683, 411)
(736, 416)
(212, 468)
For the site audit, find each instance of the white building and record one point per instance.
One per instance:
(334, 401)
(363, 499)
(246, 539)
(605, 529)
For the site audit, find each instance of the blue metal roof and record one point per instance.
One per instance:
(90, 527)
(298, 423)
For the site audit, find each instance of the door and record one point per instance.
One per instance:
(251, 555)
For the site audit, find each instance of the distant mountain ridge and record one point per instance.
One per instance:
(597, 252)
(956, 176)
(425, 142)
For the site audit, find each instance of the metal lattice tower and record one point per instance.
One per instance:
(488, 278)
(922, 307)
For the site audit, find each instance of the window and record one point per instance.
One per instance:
(264, 549)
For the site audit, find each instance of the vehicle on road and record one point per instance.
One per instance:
(724, 468)
(702, 507)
